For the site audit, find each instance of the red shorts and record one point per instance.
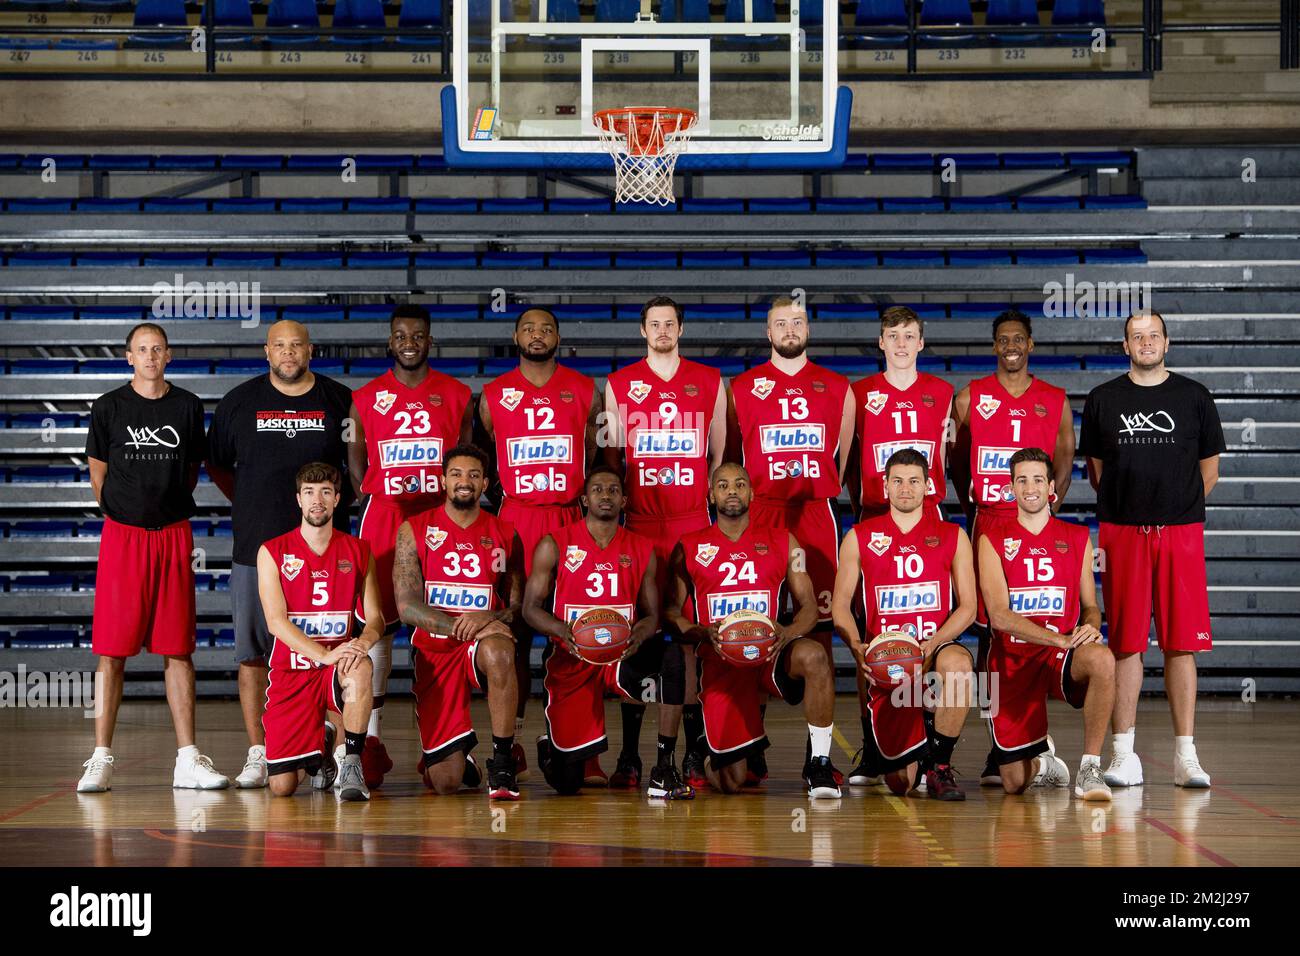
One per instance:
(730, 698)
(665, 531)
(814, 526)
(534, 522)
(1026, 678)
(442, 685)
(1161, 566)
(144, 591)
(898, 733)
(294, 720)
(380, 519)
(986, 525)
(575, 700)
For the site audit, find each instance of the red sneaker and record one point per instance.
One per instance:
(755, 770)
(375, 762)
(627, 775)
(522, 772)
(592, 775)
(941, 784)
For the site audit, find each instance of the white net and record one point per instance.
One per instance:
(645, 143)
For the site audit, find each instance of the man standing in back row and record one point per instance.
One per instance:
(1153, 439)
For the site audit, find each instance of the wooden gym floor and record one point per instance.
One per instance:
(1249, 818)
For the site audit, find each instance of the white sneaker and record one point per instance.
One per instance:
(253, 775)
(1052, 771)
(197, 773)
(98, 777)
(1089, 783)
(1188, 773)
(340, 752)
(1125, 770)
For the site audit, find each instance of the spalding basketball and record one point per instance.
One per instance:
(601, 635)
(745, 638)
(893, 658)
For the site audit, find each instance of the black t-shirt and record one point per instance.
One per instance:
(150, 445)
(264, 437)
(1151, 439)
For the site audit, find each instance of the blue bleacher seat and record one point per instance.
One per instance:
(311, 205)
(1033, 160)
(687, 11)
(557, 11)
(243, 260)
(47, 205)
(446, 260)
(581, 312)
(42, 420)
(848, 205)
(43, 313)
(391, 204)
(90, 529)
(311, 260)
(223, 528)
(617, 11)
(234, 366)
(110, 313)
(358, 14)
(24, 43)
(979, 204)
(203, 581)
(1115, 256)
(976, 364)
(931, 363)
(513, 260)
(645, 260)
(160, 13)
(847, 259)
(799, 204)
(369, 367)
(100, 206)
(30, 260)
(1104, 361)
(187, 161)
(851, 365)
(424, 16)
(244, 204)
(43, 582)
(716, 312)
(252, 161)
(927, 311)
(61, 160)
(979, 258)
(493, 367)
(1013, 13)
(385, 161)
(42, 529)
(923, 161)
(512, 205)
(454, 312)
(298, 14)
(446, 207)
(1046, 257)
(174, 205)
(1047, 203)
(329, 366)
(456, 367)
(917, 204)
(308, 314)
(593, 366)
(43, 366)
(911, 258)
(577, 205)
(1102, 157)
(107, 260)
(175, 260)
(942, 13)
(967, 162)
(1074, 362)
(370, 313)
(1078, 13)
(879, 13)
(189, 366)
(713, 260)
(986, 311)
(713, 205)
(578, 260)
(846, 311)
(792, 259)
(1114, 202)
(727, 365)
(44, 638)
(104, 366)
(378, 260)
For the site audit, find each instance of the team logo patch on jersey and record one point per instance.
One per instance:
(907, 598)
(485, 542)
(397, 452)
(625, 560)
(667, 443)
(434, 537)
(760, 547)
(932, 541)
(720, 605)
(539, 450)
(384, 401)
(290, 566)
(452, 596)
(435, 401)
(705, 553)
(573, 557)
(880, 543)
(876, 401)
(927, 400)
(1010, 548)
(987, 406)
(802, 436)
(819, 386)
(567, 397)
(762, 387)
(639, 391)
(1037, 602)
(344, 567)
(691, 391)
(1062, 547)
(510, 398)
(1040, 409)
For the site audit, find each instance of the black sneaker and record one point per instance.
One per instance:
(667, 784)
(693, 770)
(941, 784)
(861, 775)
(627, 773)
(991, 776)
(819, 777)
(473, 776)
(502, 783)
(756, 769)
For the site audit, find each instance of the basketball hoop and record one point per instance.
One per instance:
(645, 142)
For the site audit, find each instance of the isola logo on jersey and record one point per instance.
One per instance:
(720, 605)
(648, 476)
(539, 450)
(548, 480)
(448, 596)
(993, 461)
(902, 598)
(421, 482)
(1037, 602)
(666, 443)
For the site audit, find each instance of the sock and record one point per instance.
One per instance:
(633, 714)
(866, 727)
(1123, 743)
(103, 752)
(502, 747)
(1184, 747)
(354, 743)
(187, 753)
(821, 740)
(381, 656)
(1090, 760)
(693, 722)
(941, 749)
(664, 748)
(519, 726)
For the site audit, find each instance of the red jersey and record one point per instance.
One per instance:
(541, 434)
(589, 576)
(790, 430)
(408, 431)
(890, 419)
(1042, 573)
(1001, 425)
(907, 578)
(463, 569)
(321, 591)
(666, 428)
(745, 574)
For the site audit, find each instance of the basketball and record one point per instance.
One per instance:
(893, 659)
(601, 635)
(745, 637)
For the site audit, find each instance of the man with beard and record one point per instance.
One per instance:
(262, 432)
(310, 581)
(542, 418)
(996, 416)
(406, 419)
(794, 423)
(1153, 439)
(738, 565)
(668, 425)
(458, 579)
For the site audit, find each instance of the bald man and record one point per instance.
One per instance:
(262, 432)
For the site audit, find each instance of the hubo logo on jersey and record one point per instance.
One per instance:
(876, 402)
(799, 436)
(573, 557)
(384, 402)
(290, 566)
(1010, 548)
(994, 461)
(880, 543)
(326, 625)
(539, 450)
(434, 537)
(638, 391)
(762, 387)
(881, 452)
(720, 605)
(705, 553)
(1038, 602)
(907, 598)
(510, 398)
(666, 443)
(448, 596)
(396, 452)
(987, 406)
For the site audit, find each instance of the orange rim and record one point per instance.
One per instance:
(652, 125)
